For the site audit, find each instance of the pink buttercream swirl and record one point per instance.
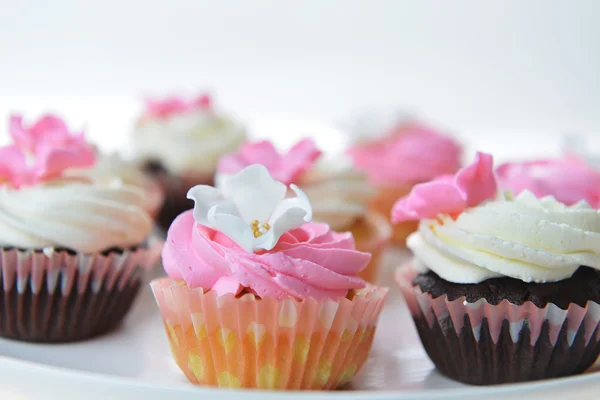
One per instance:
(284, 167)
(569, 179)
(164, 108)
(409, 154)
(449, 194)
(42, 151)
(311, 261)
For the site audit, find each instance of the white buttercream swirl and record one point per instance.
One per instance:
(112, 169)
(193, 141)
(526, 238)
(339, 192)
(76, 215)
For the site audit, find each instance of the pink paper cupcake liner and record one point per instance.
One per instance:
(267, 343)
(60, 296)
(481, 343)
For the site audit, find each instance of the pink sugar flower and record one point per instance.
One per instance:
(449, 194)
(568, 179)
(42, 151)
(284, 167)
(164, 108)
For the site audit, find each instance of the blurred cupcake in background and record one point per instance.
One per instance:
(569, 179)
(179, 142)
(258, 296)
(398, 152)
(73, 250)
(112, 167)
(502, 288)
(578, 146)
(339, 193)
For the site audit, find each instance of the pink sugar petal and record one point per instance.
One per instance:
(286, 168)
(427, 200)
(477, 181)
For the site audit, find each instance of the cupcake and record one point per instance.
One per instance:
(339, 193)
(179, 142)
(502, 288)
(396, 156)
(73, 251)
(569, 179)
(257, 296)
(112, 167)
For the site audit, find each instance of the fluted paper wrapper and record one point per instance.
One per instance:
(481, 343)
(60, 296)
(267, 343)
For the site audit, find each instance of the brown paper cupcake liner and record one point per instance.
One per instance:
(266, 343)
(57, 295)
(481, 343)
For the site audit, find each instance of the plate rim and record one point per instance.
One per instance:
(116, 382)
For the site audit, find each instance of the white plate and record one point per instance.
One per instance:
(134, 362)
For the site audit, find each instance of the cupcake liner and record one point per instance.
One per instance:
(58, 296)
(371, 234)
(267, 343)
(481, 343)
(384, 201)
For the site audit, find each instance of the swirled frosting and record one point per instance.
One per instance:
(311, 261)
(112, 168)
(526, 238)
(187, 141)
(409, 154)
(76, 215)
(338, 191)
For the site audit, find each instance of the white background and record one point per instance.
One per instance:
(508, 76)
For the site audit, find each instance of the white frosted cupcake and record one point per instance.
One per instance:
(180, 141)
(73, 250)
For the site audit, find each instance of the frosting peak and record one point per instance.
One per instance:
(569, 179)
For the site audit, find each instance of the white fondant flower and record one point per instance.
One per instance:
(251, 208)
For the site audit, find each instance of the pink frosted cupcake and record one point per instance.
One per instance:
(259, 297)
(179, 142)
(502, 288)
(339, 193)
(569, 179)
(399, 155)
(73, 251)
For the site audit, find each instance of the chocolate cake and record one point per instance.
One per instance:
(472, 356)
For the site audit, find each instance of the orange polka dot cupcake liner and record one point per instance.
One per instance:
(247, 342)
